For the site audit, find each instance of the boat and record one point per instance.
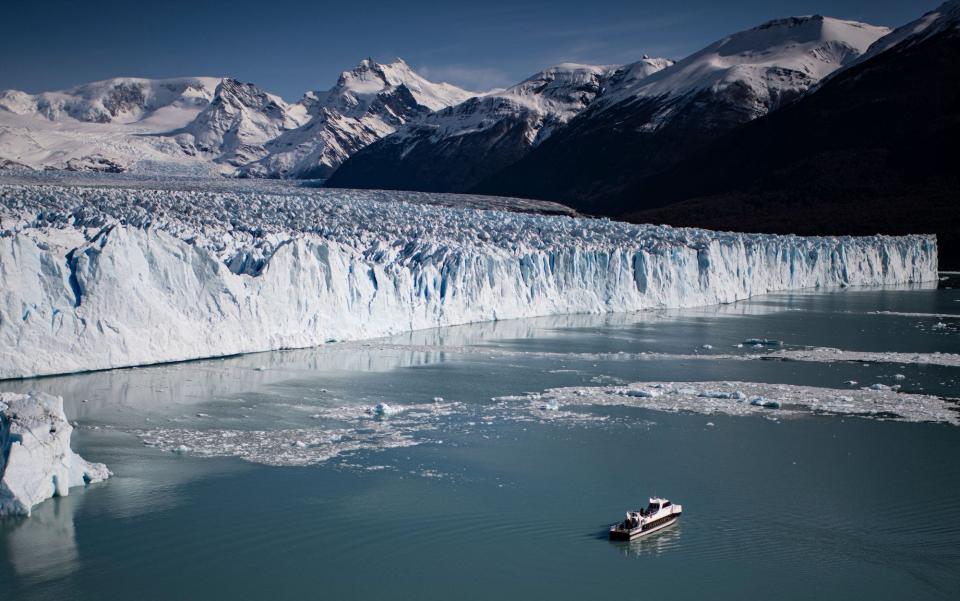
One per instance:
(659, 514)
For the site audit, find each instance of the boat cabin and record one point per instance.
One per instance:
(656, 504)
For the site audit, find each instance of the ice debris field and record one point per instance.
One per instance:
(96, 277)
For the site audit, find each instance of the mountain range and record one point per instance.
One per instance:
(809, 125)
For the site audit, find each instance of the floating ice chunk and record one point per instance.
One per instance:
(900, 377)
(762, 342)
(644, 394)
(383, 410)
(438, 399)
(879, 386)
(939, 326)
(761, 401)
(707, 346)
(710, 424)
(550, 405)
(36, 461)
(181, 449)
(720, 394)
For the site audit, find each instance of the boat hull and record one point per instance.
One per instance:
(635, 533)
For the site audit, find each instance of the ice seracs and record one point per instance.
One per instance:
(36, 461)
(96, 278)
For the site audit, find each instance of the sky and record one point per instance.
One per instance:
(288, 47)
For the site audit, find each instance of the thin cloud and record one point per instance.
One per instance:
(478, 79)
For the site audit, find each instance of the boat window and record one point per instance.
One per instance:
(667, 504)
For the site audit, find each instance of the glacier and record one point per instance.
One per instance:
(36, 461)
(98, 277)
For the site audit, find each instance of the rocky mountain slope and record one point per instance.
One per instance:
(213, 126)
(456, 148)
(637, 127)
(368, 103)
(872, 150)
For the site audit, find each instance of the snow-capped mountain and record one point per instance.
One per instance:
(119, 100)
(870, 150)
(455, 148)
(210, 126)
(108, 125)
(944, 19)
(237, 124)
(368, 103)
(641, 125)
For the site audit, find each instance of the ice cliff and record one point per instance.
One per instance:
(95, 278)
(36, 461)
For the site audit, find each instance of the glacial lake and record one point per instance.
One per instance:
(272, 476)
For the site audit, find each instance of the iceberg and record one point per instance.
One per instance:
(36, 461)
(103, 277)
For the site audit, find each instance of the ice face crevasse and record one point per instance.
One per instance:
(36, 461)
(202, 275)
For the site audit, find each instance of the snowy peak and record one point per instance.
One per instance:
(455, 148)
(944, 18)
(563, 90)
(240, 119)
(368, 102)
(118, 100)
(777, 57)
(356, 89)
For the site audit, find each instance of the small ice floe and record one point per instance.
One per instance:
(383, 410)
(851, 382)
(722, 394)
(900, 377)
(260, 368)
(181, 449)
(203, 415)
(761, 401)
(643, 394)
(939, 326)
(710, 424)
(550, 405)
(438, 399)
(879, 386)
(762, 342)
(707, 346)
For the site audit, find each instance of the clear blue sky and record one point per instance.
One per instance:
(288, 47)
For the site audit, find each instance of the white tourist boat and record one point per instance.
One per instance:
(659, 514)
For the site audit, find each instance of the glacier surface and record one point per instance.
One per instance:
(102, 277)
(36, 461)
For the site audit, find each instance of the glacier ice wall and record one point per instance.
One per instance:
(100, 279)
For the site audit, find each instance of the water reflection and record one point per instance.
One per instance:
(653, 544)
(44, 545)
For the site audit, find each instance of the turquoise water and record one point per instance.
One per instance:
(486, 502)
